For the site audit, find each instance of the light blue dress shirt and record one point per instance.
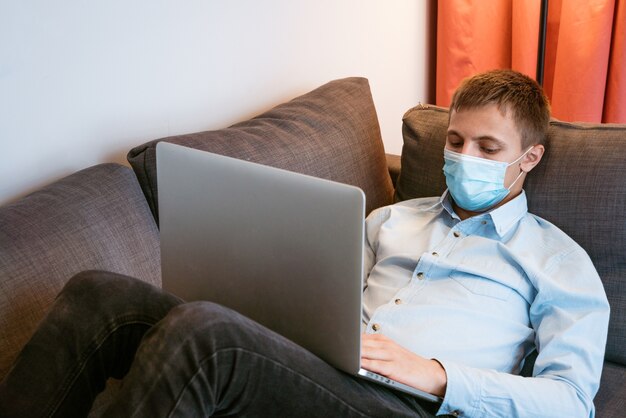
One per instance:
(478, 295)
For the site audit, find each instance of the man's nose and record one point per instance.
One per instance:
(470, 148)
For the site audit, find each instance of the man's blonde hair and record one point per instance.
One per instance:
(510, 91)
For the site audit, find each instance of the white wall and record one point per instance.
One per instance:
(82, 82)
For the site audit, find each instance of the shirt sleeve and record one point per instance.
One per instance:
(372, 225)
(570, 317)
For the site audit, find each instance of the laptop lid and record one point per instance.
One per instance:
(282, 248)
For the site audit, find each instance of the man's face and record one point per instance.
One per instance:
(486, 133)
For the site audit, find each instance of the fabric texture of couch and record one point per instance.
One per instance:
(94, 219)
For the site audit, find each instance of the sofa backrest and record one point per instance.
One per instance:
(580, 186)
(331, 132)
(96, 218)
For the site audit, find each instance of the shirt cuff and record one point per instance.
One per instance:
(462, 391)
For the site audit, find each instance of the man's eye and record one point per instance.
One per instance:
(455, 144)
(489, 150)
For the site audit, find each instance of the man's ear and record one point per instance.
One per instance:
(533, 157)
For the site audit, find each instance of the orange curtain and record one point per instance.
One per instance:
(585, 60)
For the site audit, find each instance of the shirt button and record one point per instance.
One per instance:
(455, 413)
(456, 234)
(420, 275)
(398, 301)
(435, 254)
(484, 222)
(376, 327)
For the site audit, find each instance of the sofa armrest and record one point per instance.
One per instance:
(94, 219)
(393, 165)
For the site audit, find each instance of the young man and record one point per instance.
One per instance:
(459, 290)
(493, 279)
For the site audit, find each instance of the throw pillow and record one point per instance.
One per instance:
(331, 132)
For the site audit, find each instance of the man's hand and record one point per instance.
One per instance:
(381, 355)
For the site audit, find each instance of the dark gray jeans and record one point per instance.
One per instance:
(176, 360)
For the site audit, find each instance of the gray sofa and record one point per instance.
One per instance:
(106, 217)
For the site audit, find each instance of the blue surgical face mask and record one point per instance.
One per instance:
(476, 184)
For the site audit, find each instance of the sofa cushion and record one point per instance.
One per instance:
(96, 218)
(331, 132)
(579, 186)
(610, 400)
(424, 134)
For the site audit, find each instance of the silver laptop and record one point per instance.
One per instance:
(282, 248)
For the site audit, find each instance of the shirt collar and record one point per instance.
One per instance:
(504, 217)
(446, 202)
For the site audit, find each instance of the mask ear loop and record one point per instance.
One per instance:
(515, 181)
(521, 171)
